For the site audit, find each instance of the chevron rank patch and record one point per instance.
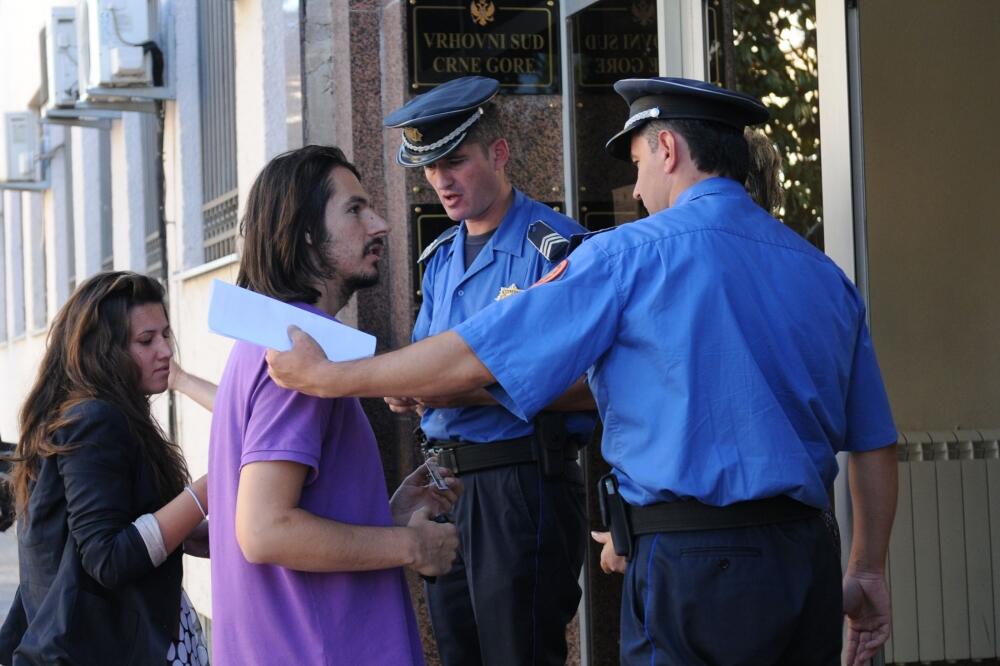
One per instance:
(554, 274)
(550, 244)
(507, 292)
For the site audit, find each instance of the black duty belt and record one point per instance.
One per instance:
(693, 515)
(627, 522)
(463, 457)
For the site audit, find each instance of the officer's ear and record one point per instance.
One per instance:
(499, 153)
(667, 146)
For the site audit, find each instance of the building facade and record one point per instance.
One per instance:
(880, 113)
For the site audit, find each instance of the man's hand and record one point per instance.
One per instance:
(475, 397)
(196, 544)
(866, 605)
(436, 544)
(417, 491)
(403, 405)
(611, 562)
(299, 368)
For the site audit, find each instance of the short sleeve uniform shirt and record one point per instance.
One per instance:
(729, 358)
(452, 294)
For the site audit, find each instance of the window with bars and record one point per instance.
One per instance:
(218, 128)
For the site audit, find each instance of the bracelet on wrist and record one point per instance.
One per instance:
(194, 496)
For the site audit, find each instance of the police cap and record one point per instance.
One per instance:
(663, 98)
(436, 123)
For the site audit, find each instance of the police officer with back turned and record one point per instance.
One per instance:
(730, 361)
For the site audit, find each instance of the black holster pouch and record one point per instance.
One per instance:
(551, 440)
(614, 515)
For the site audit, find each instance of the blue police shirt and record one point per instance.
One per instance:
(731, 359)
(452, 294)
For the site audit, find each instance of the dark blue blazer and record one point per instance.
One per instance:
(88, 592)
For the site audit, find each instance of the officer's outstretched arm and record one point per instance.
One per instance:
(576, 398)
(440, 365)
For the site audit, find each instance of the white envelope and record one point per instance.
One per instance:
(246, 315)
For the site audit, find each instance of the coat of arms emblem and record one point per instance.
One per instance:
(482, 11)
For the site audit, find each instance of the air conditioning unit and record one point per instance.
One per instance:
(115, 38)
(21, 142)
(61, 57)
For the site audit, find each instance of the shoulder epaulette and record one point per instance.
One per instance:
(429, 251)
(550, 243)
(576, 239)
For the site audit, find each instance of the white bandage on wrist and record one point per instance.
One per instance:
(149, 530)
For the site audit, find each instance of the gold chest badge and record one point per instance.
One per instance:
(507, 292)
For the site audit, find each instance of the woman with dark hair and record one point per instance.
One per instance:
(102, 496)
(764, 176)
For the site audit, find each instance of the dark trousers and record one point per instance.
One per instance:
(751, 595)
(516, 585)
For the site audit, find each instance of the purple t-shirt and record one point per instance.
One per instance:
(270, 614)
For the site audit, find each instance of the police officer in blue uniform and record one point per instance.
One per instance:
(515, 588)
(730, 361)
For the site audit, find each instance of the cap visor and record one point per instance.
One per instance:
(620, 145)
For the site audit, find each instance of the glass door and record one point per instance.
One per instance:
(604, 41)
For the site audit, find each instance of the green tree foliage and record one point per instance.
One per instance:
(773, 56)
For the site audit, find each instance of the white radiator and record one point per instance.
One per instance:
(944, 555)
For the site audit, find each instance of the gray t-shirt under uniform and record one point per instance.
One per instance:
(475, 244)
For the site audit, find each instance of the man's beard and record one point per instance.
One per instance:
(361, 281)
(351, 283)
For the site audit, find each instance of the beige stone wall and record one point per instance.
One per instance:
(931, 169)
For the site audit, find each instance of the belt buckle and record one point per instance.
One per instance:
(445, 456)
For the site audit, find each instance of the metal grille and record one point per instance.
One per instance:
(218, 128)
(154, 255)
(155, 242)
(944, 554)
(220, 226)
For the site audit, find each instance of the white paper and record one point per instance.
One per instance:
(246, 315)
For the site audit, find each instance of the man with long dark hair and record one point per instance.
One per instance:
(307, 553)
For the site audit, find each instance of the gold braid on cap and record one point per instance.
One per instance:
(440, 142)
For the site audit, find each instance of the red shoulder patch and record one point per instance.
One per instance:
(554, 273)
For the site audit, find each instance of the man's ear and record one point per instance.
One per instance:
(309, 238)
(499, 154)
(669, 145)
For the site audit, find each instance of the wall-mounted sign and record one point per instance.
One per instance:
(616, 39)
(430, 221)
(513, 41)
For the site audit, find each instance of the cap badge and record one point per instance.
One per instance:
(482, 11)
(507, 292)
(413, 135)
